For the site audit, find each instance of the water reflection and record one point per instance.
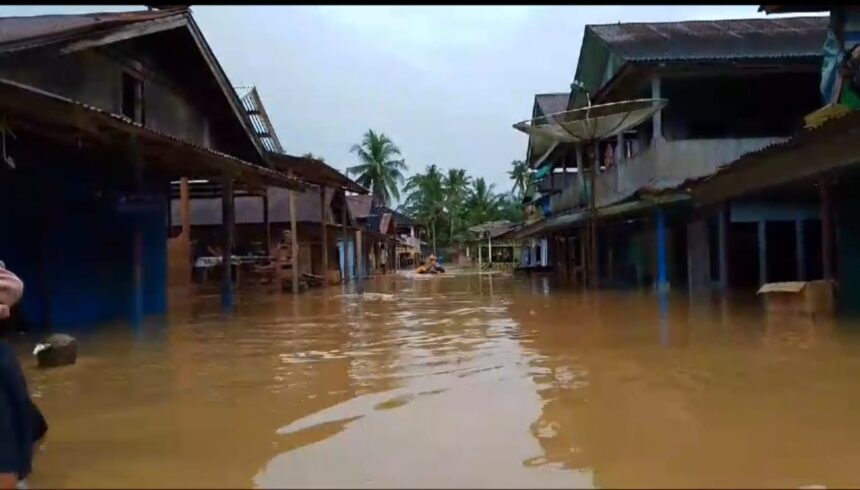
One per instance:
(470, 380)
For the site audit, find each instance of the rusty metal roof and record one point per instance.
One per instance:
(715, 39)
(360, 206)
(60, 117)
(27, 32)
(784, 9)
(314, 171)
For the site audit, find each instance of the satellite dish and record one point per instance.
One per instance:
(592, 123)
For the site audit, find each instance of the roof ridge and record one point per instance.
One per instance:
(708, 21)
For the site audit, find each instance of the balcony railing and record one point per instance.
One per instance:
(669, 163)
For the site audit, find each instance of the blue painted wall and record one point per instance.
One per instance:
(73, 248)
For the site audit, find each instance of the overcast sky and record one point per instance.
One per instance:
(445, 83)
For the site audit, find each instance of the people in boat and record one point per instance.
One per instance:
(432, 267)
(22, 425)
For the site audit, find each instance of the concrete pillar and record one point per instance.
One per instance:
(294, 238)
(662, 254)
(324, 231)
(489, 249)
(480, 256)
(580, 174)
(762, 252)
(228, 227)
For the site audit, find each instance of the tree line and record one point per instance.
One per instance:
(447, 202)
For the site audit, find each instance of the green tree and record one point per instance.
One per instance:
(521, 175)
(483, 202)
(456, 187)
(425, 198)
(379, 170)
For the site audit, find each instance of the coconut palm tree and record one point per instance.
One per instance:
(483, 202)
(456, 187)
(425, 198)
(380, 170)
(521, 175)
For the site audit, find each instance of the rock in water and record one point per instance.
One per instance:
(57, 350)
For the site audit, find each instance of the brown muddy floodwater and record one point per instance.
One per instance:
(462, 380)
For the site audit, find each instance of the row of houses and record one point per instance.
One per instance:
(127, 154)
(743, 177)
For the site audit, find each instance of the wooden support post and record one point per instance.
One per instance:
(762, 252)
(185, 207)
(344, 273)
(228, 226)
(723, 239)
(359, 266)
(583, 262)
(294, 236)
(137, 235)
(658, 116)
(800, 250)
(324, 232)
(267, 223)
(826, 230)
(662, 255)
(580, 174)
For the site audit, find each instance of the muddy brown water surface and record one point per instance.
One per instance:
(457, 380)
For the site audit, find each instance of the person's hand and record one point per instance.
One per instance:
(11, 289)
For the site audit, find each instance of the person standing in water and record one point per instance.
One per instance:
(22, 425)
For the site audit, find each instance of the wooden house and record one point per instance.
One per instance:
(100, 112)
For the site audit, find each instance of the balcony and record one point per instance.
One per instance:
(669, 163)
(660, 166)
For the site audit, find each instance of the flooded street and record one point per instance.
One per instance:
(462, 380)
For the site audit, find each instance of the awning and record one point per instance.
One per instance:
(566, 220)
(314, 171)
(77, 124)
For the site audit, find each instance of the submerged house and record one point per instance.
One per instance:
(100, 112)
(317, 217)
(817, 169)
(377, 246)
(494, 246)
(732, 86)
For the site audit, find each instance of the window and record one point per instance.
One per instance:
(132, 97)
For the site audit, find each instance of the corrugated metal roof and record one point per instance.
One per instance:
(360, 206)
(20, 32)
(715, 39)
(552, 103)
(259, 119)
